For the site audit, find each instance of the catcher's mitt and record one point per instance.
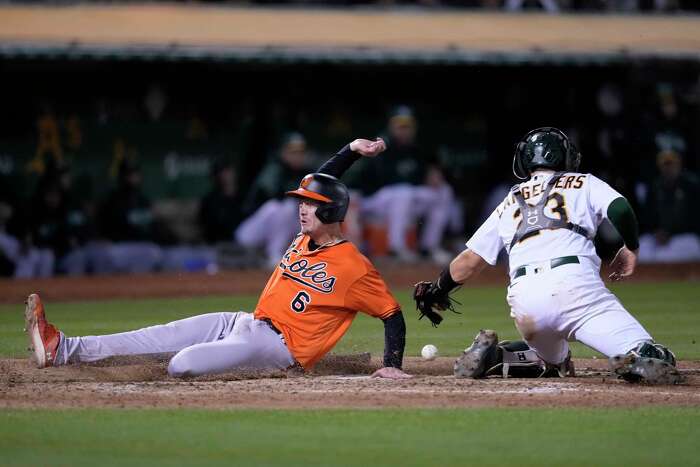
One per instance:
(431, 300)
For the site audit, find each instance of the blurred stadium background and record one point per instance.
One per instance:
(148, 137)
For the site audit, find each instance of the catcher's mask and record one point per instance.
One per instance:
(330, 192)
(545, 147)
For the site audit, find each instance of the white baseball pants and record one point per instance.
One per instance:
(35, 262)
(571, 303)
(205, 344)
(680, 248)
(272, 226)
(402, 204)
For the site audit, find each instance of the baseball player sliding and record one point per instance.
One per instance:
(547, 224)
(309, 302)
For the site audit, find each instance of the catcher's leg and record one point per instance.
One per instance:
(478, 357)
(632, 353)
(648, 362)
(537, 301)
(609, 328)
(554, 351)
(486, 357)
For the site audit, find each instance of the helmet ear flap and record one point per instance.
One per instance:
(330, 194)
(323, 212)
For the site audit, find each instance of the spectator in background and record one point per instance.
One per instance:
(273, 218)
(126, 222)
(406, 185)
(58, 223)
(667, 126)
(220, 210)
(671, 214)
(19, 255)
(550, 6)
(9, 245)
(616, 158)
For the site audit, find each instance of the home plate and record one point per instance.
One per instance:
(350, 377)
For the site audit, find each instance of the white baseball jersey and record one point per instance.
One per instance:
(582, 199)
(557, 304)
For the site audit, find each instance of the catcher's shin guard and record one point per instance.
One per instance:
(515, 359)
(562, 370)
(648, 362)
(479, 357)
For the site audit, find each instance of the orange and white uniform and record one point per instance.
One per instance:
(308, 304)
(313, 296)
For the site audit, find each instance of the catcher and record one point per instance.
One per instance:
(547, 224)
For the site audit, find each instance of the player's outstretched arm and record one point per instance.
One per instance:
(465, 266)
(433, 297)
(343, 159)
(394, 344)
(622, 217)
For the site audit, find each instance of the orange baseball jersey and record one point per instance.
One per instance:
(313, 296)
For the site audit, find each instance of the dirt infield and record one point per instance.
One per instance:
(339, 382)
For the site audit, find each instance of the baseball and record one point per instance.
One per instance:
(429, 352)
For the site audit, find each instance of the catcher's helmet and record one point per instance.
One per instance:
(329, 191)
(545, 147)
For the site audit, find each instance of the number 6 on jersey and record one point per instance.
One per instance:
(300, 301)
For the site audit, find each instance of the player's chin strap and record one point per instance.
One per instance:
(515, 172)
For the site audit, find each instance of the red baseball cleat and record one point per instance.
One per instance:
(43, 337)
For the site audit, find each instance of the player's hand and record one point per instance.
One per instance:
(390, 372)
(623, 264)
(368, 148)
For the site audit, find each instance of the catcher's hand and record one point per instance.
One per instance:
(623, 264)
(431, 300)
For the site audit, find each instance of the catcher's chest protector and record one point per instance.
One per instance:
(533, 217)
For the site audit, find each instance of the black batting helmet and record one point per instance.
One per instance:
(545, 147)
(329, 191)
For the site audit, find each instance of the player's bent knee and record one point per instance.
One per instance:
(181, 365)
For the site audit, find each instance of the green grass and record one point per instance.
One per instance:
(523, 437)
(669, 312)
(500, 436)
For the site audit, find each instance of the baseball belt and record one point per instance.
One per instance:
(268, 321)
(554, 263)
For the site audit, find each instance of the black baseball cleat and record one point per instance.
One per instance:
(636, 369)
(479, 357)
